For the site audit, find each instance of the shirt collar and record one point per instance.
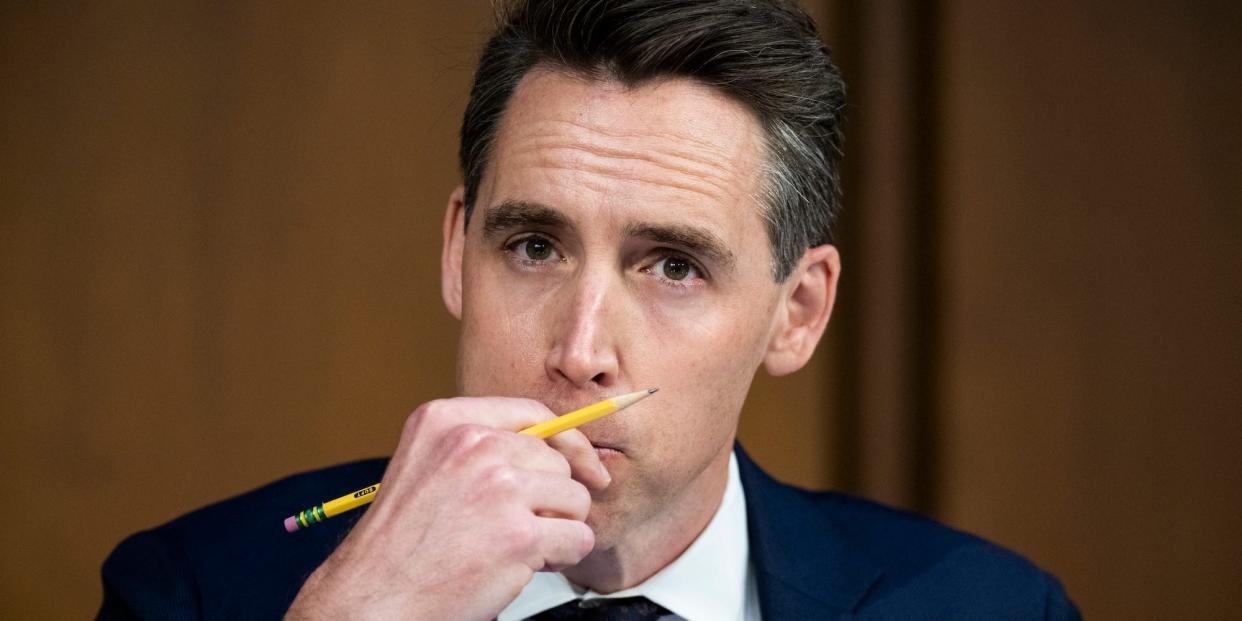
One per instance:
(708, 580)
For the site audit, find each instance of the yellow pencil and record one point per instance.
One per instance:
(546, 429)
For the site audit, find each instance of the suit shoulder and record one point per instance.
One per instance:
(232, 558)
(892, 534)
(277, 499)
(922, 560)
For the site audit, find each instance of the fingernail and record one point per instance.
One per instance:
(603, 472)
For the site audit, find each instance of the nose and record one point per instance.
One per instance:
(584, 352)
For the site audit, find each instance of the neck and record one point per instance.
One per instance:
(659, 540)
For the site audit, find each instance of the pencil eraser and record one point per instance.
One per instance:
(291, 524)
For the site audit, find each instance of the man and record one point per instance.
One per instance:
(649, 190)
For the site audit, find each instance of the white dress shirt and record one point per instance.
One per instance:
(711, 581)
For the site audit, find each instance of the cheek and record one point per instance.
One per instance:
(714, 340)
(502, 340)
(705, 358)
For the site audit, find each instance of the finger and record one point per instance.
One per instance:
(510, 414)
(563, 543)
(552, 495)
(583, 461)
(531, 453)
(498, 412)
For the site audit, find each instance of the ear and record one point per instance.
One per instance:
(804, 310)
(451, 255)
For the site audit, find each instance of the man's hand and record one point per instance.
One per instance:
(468, 511)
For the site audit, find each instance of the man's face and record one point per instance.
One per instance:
(617, 244)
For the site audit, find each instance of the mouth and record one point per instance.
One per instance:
(605, 451)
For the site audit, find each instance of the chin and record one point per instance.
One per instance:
(607, 522)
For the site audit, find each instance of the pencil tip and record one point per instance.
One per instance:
(651, 391)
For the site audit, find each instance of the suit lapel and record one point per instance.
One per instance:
(805, 565)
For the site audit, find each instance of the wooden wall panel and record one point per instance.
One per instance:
(219, 258)
(219, 236)
(1092, 341)
(219, 246)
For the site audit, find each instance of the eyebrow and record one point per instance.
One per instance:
(694, 240)
(515, 214)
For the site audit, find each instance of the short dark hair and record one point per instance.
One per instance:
(766, 54)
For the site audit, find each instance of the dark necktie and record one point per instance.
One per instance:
(619, 609)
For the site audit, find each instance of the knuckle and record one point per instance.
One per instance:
(427, 413)
(413, 422)
(520, 535)
(502, 479)
(580, 497)
(468, 438)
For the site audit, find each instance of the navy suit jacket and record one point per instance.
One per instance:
(817, 555)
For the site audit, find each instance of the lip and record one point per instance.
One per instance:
(604, 448)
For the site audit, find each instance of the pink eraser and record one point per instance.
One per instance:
(291, 524)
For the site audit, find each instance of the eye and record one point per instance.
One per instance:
(676, 268)
(533, 248)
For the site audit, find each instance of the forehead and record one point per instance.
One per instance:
(668, 149)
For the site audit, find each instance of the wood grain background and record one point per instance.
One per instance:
(219, 245)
